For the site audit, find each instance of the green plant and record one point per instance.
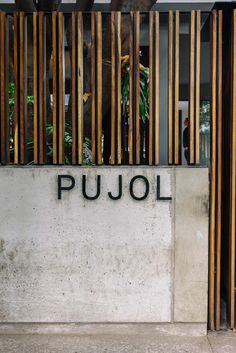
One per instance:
(11, 101)
(205, 117)
(144, 91)
(87, 148)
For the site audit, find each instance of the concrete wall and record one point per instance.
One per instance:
(76, 260)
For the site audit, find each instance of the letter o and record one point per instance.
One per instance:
(131, 188)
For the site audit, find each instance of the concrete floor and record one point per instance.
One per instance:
(223, 342)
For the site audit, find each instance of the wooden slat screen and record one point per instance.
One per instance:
(4, 113)
(116, 153)
(232, 216)
(142, 147)
(96, 86)
(153, 88)
(39, 69)
(216, 171)
(77, 87)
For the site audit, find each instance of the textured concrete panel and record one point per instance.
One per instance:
(191, 245)
(74, 260)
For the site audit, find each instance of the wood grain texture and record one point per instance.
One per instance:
(93, 86)
(35, 85)
(191, 88)
(151, 95)
(213, 176)
(99, 86)
(118, 80)
(137, 86)
(16, 85)
(4, 91)
(61, 88)
(219, 170)
(131, 117)
(113, 88)
(54, 88)
(73, 88)
(176, 94)
(170, 88)
(197, 88)
(157, 102)
(80, 87)
(233, 181)
(41, 87)
(23, 86)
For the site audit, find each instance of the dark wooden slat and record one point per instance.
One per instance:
(176, 106)
(80, 88)
(23, 86)
(213, 176)
(130, 134)
(137, 84)
(118, 80)
(42, 90)
(73, 86)
(219, 170)
(4, 91)
(157, 103)
(93, 86)
(61, 88)
(197, 88)
(99, 85)
(191, 87)
(16, 86)
(151, 74)
(233, 182)
(170, 91)
(54, 88)
(113, 88)
(35, 85)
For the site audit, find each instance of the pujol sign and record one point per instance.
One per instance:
(113, 195)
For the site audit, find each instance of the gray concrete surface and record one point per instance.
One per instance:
(76, 260)
(117, 343)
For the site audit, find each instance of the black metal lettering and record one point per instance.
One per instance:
(131, 187)
(98, 188)
(120, 190)
(159, 198)
(60, 187)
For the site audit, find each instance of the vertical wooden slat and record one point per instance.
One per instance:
(219, 169)
(130, 134)
(4, 91)
(197, 90)
(54, 88)
(73, 86)
(191, 87)
(23, 86)
(157, 88)
(42, 91)
(170, 83)
(233, 181)
(61, 88)
(93, 86)
(35, 84)
(99, 85)
(80, 87)
(137, 84)
(113, 88)
(151, 102)
(176, 105)
(213, 175)
(118, 79)
(16, 86)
